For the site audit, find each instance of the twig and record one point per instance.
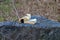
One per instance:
(15, 9)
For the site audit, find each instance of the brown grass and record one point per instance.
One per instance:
(47, 8)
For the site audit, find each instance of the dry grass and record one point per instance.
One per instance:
(47, 8)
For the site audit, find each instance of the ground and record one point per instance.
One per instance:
(47, 8)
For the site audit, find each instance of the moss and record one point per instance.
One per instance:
(1, 19)
(7, 1)
(5, 8)
(58, 18)
(14, 18)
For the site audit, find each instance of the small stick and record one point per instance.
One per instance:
(15, 9)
